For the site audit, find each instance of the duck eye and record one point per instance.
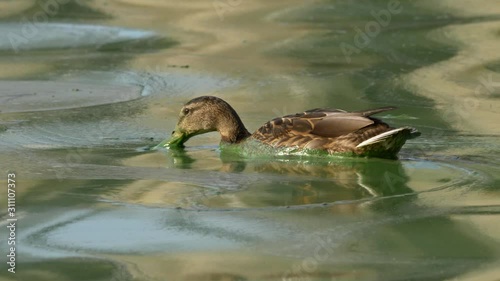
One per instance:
(185, 111)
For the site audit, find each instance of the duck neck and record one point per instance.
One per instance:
(232, 129)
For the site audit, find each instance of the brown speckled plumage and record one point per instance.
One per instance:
(332, 130)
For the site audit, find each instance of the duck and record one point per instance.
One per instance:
(319, 131)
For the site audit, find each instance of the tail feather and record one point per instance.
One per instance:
(402, 134)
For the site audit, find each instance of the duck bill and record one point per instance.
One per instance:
(177, 140)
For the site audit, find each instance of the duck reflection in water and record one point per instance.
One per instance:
(307, 180)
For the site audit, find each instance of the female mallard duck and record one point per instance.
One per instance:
(331, 131)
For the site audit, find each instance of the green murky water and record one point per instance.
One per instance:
(86, 91)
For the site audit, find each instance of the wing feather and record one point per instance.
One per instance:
(316, 124)
(339, 125)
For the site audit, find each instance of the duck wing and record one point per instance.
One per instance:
(318, 122)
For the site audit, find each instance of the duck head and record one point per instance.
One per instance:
(207, 114)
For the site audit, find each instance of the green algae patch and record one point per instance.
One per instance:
(255, 149)
(177, 140)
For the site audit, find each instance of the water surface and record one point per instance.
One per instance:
(99, 82)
